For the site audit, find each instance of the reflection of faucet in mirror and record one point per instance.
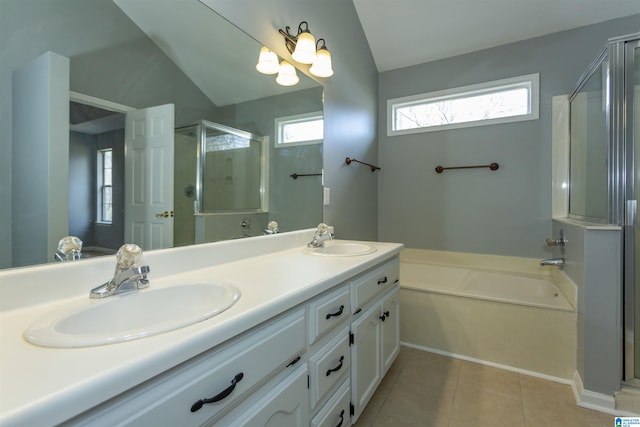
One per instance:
(129, 275)
(320, 236)
(69, 249)
(272, 228)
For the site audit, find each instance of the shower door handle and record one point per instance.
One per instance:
(631, 214)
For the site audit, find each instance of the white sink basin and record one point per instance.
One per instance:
(341, 249)
(89, 322)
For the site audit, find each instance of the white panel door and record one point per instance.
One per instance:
(149, 177)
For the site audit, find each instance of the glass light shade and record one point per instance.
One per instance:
(322, 65)
(305, 51)
(287, 75)
(267, 61)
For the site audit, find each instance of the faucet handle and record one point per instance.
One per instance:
(128, 255)
(555, 242)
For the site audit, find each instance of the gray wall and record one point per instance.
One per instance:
(110, 58)
(507, 212)
(350, 99)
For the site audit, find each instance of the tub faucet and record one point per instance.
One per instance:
(559, 262)
(129, 275)
(321, 235)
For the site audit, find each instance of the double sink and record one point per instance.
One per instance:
(88, 322)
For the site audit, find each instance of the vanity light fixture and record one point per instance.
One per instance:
(287, 75)
(267, 61)
(322, 65)
(305, 50)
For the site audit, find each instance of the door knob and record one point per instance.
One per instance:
(165, 214)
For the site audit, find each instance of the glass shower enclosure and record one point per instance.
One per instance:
(218, 170)
(604, 176)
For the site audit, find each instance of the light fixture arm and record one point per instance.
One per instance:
(321, 46)
(290, 40)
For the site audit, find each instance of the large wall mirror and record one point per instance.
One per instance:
(127, 56)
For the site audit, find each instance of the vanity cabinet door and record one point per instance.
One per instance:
(390, 328)
(285, 405)
(366, 365)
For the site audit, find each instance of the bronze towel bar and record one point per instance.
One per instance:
(492, 166)
(296, 175)
(348, 161)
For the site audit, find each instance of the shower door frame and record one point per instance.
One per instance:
(627, 104)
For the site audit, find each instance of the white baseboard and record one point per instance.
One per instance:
(596, 401)
(492, 364)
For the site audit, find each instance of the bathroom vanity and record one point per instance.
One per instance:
(307, 342)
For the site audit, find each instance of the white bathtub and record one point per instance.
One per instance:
(507, 287)
(521, 317)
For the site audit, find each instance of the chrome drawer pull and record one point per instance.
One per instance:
(218, 397)
(337, 368)
(337, 313)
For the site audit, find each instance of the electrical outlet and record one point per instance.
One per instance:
(326, 196)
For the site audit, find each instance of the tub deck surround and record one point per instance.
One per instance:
(45, 386)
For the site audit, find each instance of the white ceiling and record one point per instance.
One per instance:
(409, 32)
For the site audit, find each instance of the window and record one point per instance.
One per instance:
(105, 186)
(499, 101)
(300, 129)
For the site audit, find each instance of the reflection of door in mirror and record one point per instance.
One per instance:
(148, 210)
(103, 212)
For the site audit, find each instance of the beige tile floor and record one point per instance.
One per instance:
(426, 389)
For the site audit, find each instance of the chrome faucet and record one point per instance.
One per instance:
(321, 235)
(558, 262)
(129, 275)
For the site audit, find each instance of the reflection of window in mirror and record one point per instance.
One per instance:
(300, 129)
(105, 187)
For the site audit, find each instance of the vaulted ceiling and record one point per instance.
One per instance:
(409, 32)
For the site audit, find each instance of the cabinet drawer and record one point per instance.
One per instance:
(328, 366)
(374, 283)
(336, 411)
(228, 373)
(285, 405)
(328, 312)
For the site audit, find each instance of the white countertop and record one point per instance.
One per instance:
(45, 386)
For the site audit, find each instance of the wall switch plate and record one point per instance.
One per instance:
(326, 196)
